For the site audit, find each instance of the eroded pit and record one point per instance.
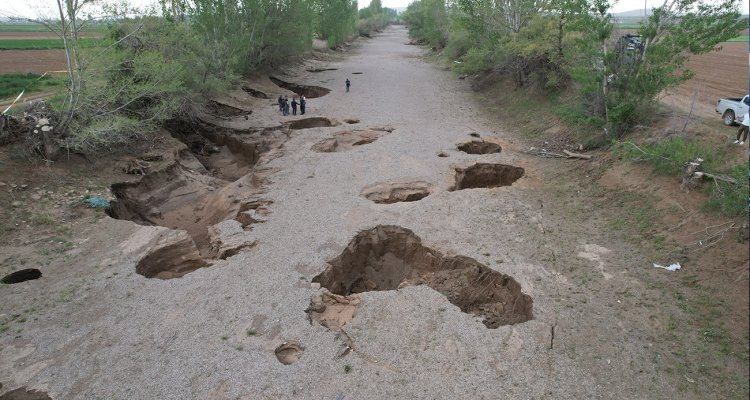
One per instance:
(486, 175)
(25, 394)
(22, 275)
(479, 147)
(389, 193)
(313, 122)
(254, 92)
(289, 352)
(308, 91)
(222, 110)
(320, 69)
(390, 257)
(201, 191)
(347, 140)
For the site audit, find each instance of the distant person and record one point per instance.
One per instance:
(286, 105)
(742, 132)
(302, 102)
(348, 83)
(281, 104)
(294, 105)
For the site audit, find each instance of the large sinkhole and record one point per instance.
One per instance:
(310, 92)
(206, 182)
(479, 147)
(486, 175)
(389, 257)
(313, 122)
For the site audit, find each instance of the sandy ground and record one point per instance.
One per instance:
(601, 318)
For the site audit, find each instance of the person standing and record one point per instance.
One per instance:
(281, 104)
(286, 105)
(302, 102)
(348, 83)
(294, 105)
(744, 127)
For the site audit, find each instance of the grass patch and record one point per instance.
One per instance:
(251, 332)
(741, 38)
(348, 368)
(42, 219)
(12, 84)
(44, 44)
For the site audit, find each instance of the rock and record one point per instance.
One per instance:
(228, 238)
(16, 204)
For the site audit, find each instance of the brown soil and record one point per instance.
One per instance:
(480, 147)
(391, 257)
(484, 175)
(717, 75)
(36, 61)
(389, 193)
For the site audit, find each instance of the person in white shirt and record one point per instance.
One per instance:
(742, 132)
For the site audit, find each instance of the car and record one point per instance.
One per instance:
(731, 109)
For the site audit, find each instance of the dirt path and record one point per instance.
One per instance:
(444, 290)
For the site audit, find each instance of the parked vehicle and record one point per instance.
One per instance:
(732, 110)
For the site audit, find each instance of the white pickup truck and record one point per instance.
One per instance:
(732, 110)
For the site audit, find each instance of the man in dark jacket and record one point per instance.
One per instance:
(281, 104)
(294, 105)
(347, 84)
(302, 103)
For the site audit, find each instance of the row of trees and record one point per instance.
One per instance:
(153, 65)
(569, 44)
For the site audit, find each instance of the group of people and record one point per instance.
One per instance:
(284, 104)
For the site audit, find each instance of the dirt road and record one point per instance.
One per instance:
(464, 291)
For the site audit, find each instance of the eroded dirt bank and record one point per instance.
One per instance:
(382, 260)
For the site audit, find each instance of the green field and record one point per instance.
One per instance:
(38, 44)
(12, 84)
(22, 28)
(743, 38)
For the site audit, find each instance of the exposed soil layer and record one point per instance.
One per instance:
(390, 257)
(474, 134)
(201, 187)
(343, 141)
(254, 92)
(388, 193)
(479, 147)
(357, 73)
(351, 121)
(22, 276)
(332, 310)
(225, 111)
(289, 352)
(486, 175)
(310, 92)
(314, 122)
(442, 154)
(25, 394)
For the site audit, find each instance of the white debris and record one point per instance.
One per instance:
(673, 267)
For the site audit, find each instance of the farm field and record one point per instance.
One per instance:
(717, 75)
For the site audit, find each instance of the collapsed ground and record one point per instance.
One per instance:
(344, 252)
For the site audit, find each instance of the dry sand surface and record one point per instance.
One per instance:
(450, 274)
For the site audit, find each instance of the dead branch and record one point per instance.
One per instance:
(570, 154)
